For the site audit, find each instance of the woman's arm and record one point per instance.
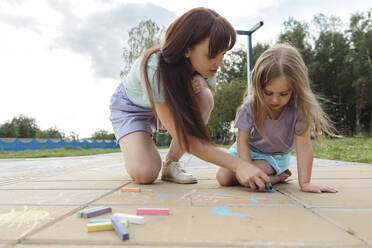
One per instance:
(246, 173)
(242, 146)
(305, 157)
(213, 89)
(198, 83)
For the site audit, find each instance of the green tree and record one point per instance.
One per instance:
(297, 34)
(50, 133)
(235, 63)
(73, 136)
(226, 101)
(19, 127)
(258, 49)
(147, 34)
(103, 134)
(8, 130)
(26, 127)
(360, 31)
(329, 77)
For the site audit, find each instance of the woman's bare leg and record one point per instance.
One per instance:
(206, 102)
(142, 159)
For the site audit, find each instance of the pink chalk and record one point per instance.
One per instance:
(152, 211)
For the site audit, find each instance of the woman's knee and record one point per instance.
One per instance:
(145, 174)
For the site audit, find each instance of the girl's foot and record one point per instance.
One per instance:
(280, 178)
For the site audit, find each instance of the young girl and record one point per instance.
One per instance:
(168, 84)
(280, 111)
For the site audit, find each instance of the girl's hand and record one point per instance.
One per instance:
(251, 176)
(308, 187)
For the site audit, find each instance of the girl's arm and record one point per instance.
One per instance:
(246, 173)
(305, 157)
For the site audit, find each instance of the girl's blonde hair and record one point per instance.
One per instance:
(285, 60)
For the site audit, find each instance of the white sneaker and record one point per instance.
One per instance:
(174, 172)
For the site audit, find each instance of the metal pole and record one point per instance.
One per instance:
(249, 52)
(249, 49)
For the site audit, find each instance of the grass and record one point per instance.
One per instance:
(60, 152)
(346, 149)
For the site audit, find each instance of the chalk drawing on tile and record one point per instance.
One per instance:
(223, 210)
(28, 218)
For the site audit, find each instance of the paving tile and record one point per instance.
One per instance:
(356, 221)
(114, 175)
(91, 246)
(66, 184)
(205, 192)
(203, 173)
(340, 172)
(208, 226)
(49, 197)
(346, 197)
(17, 221)
(238, 196)
(343, 183)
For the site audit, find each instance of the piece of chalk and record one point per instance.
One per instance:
(96, 212)
(104, 226)
(80, 213)
(119, 228)
(99, 220)
(270, 190)
(152, 211)
(135, 219)
(124, 189)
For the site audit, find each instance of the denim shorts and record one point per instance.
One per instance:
(127, 117)
(280, 163)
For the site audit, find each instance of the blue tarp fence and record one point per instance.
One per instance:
(16, 144)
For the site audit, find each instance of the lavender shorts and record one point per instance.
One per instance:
(127, 117)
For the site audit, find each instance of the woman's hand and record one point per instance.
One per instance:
(251, 176)
(198, 83)
(308, 187)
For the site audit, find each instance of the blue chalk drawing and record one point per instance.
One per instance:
(222, 210)
(253, 199)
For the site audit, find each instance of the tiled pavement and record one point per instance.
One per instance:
(39, 199)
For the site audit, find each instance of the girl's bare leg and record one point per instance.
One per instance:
(226, 177)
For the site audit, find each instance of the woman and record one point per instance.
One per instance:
(174, 83)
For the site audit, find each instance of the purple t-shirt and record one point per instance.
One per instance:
(280, 132)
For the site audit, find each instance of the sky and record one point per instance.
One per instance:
(60, 60)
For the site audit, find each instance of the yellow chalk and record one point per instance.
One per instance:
(105, 226)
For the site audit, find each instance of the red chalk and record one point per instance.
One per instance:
(152, 211)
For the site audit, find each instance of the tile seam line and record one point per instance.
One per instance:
(48, 224)
(345, 229)
(247, 244)
(327, 219)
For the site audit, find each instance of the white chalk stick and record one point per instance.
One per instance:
(135, 219)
